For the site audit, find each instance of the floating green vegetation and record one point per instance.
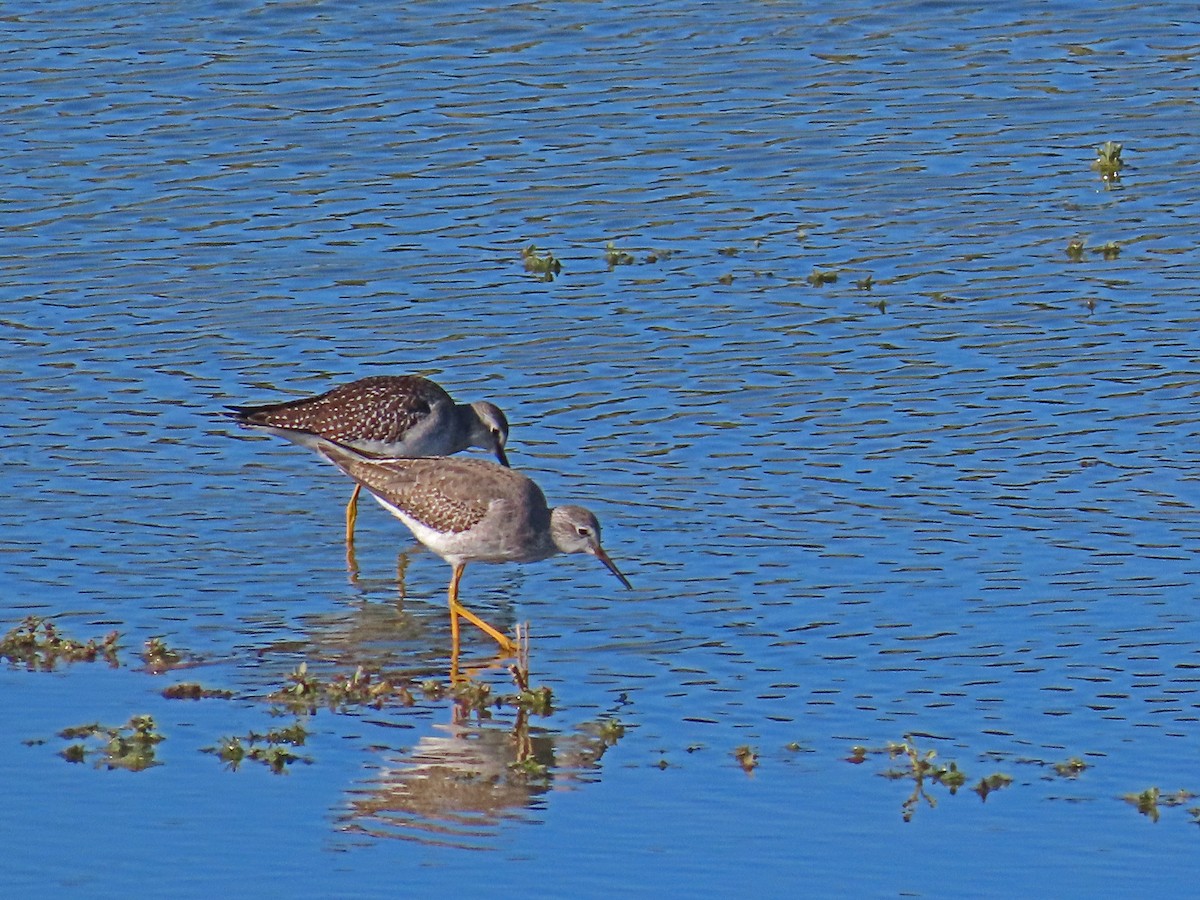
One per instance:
(302, 690)
(37, 644)
(1108, 162)
(610, 731)
(991, 783)
(271, 749)
(864, 284)
(1149, 800)
(472, 696)
(545, 267)
(655, 255)
(726, 279)
(529, 768)
(536, 700)
(305, 692)
(539, 701)
(1109, 250)
(615, 257)
(746, 758)
(921, 768)
(129, 746)
(820, 278)
(362, 688)
(477, 697)
(1071, 768)
(159, 657)
(728, 251)
(191, 690)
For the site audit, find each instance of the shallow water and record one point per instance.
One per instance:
(957, 504)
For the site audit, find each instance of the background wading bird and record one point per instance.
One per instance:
(382, 415)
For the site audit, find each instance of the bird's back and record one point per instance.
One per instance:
(396, 415)
(458, 506)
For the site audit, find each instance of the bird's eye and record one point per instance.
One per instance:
(582, 530)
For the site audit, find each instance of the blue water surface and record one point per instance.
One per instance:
(947, 500)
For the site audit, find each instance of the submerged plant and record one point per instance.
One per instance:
(1075, 250)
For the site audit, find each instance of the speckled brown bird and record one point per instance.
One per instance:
(383, 415)
(472, 510)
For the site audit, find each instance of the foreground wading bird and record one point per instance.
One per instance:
(472, 510)
(385, 415)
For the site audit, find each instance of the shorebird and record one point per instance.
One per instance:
(383, 415)
(472, 510)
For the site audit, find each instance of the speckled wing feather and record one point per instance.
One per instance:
(448, 494)
(378, 408)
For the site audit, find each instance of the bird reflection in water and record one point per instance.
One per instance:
(459, 786)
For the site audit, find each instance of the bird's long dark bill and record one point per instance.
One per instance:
(612, 567)
(499, 451)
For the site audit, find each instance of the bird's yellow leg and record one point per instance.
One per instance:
(457, 609)
(453, 611)
(352, 514)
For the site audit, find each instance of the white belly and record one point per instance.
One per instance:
(457, 547)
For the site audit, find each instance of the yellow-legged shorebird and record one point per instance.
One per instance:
(383, 415)
(471, 510)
